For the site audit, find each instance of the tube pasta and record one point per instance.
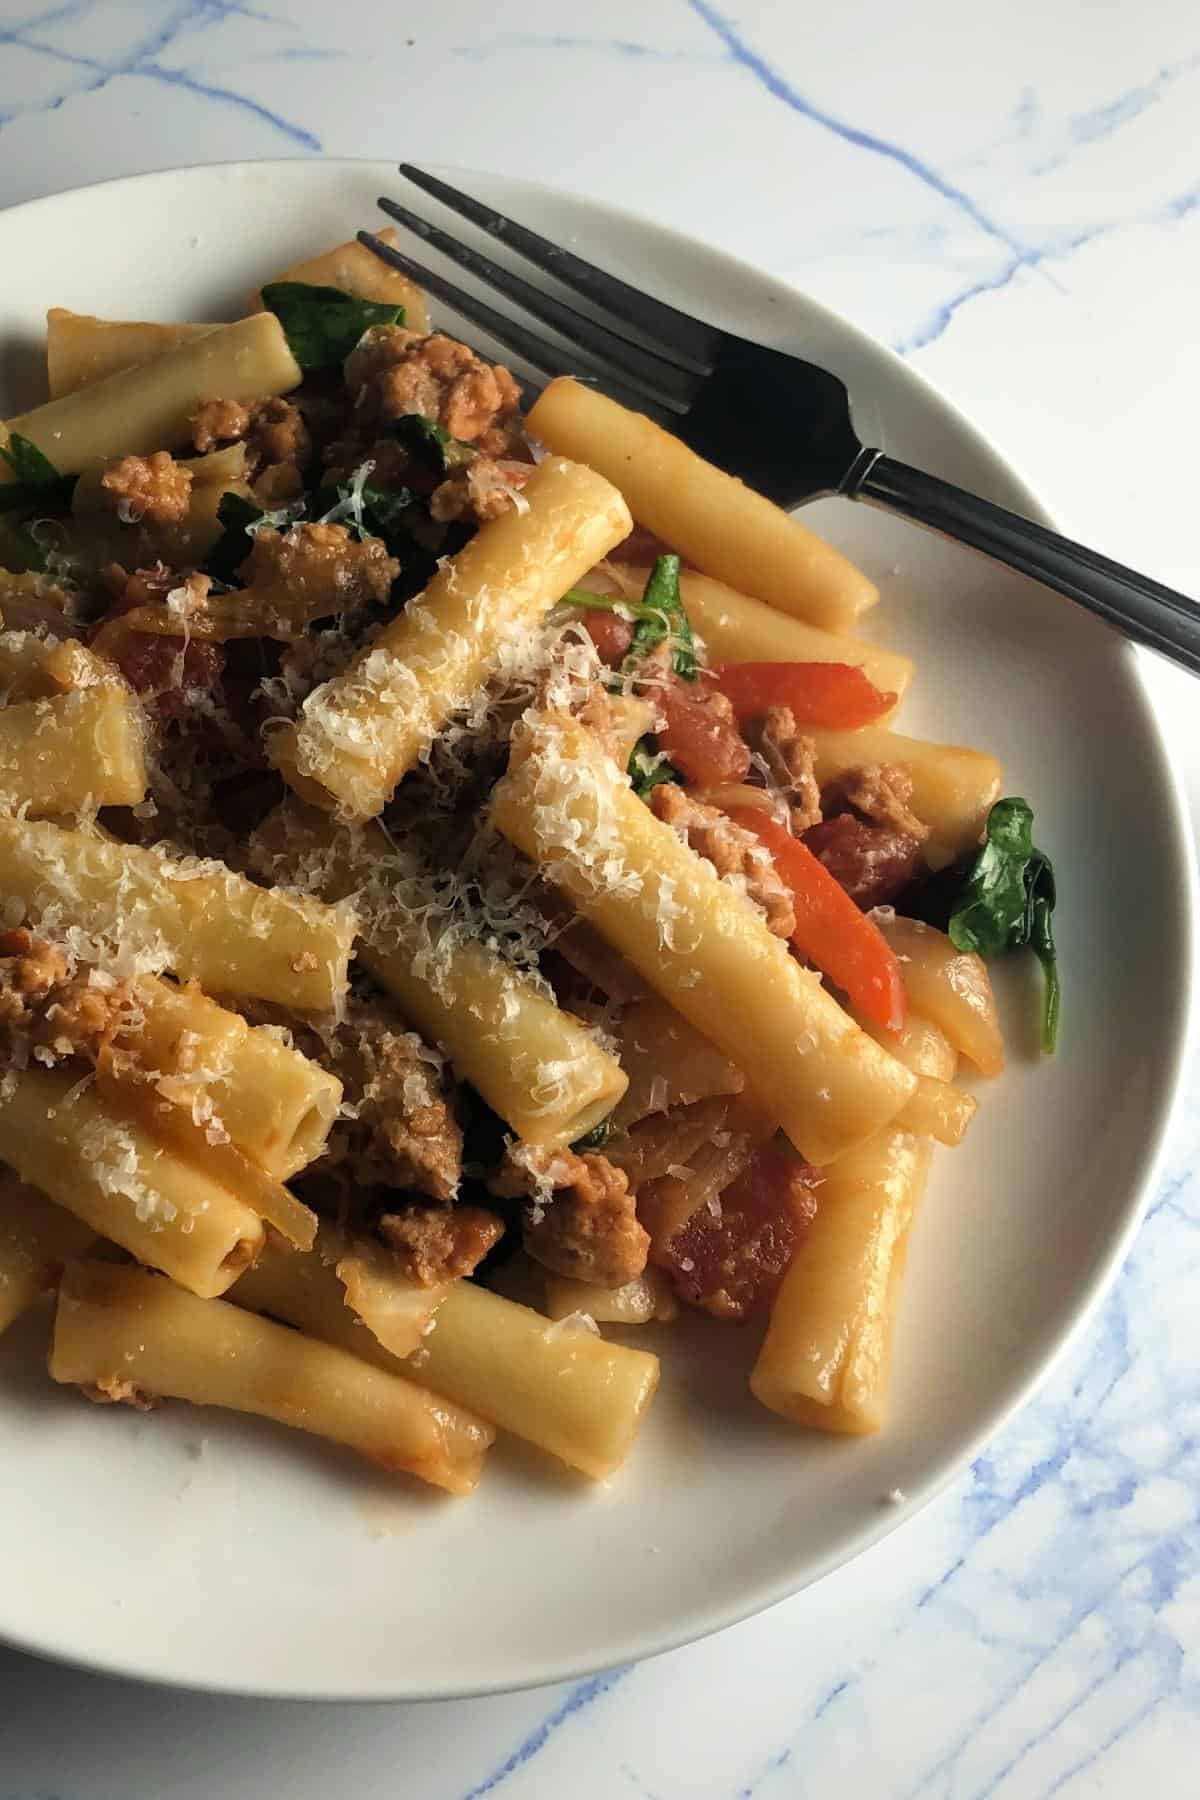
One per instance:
(81, 349)
(565, 1390)
(38, 668)
(568, 1392)
(696, 941)
(715, 521)
(77, 749)
(953, 788)
(951, 987)
(36, 1238)
(353, 268)
(207, 1147)
(62, 1136)
(736, 628)
(200, 919)
(535, 1065)
(149, 407)
(276, 1105)
(309, 1290)
(826, 1356)
(939, 1110)
(359, 733)
(118, 1329)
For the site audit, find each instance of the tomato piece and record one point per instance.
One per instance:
(830, 931)
(838, 696)
(700, 737)
(611, 634)
(872, 862)
(731, 1260)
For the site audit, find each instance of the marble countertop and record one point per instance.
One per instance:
(1011, 198)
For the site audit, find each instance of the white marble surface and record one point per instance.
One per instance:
(1011, 197)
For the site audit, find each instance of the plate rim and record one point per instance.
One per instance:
(1015, 492)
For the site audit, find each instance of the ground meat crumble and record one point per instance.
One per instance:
(435, 1243)
(324, 568)
(791, 758)
(392, 372)
(730, 849)
(582, 1220)
(153, 490)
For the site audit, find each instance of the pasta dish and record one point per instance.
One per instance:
(462, 895)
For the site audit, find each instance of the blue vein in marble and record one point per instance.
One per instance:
(782, 89)
(579, 1695)
(627, 48)
(143, 59)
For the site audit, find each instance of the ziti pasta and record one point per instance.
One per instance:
(448, 854)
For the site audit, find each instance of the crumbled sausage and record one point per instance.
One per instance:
(404, 1133)
(323, 567)
(217, 422)
(278, 434)
(30, 967)
(790, 758)
(392, 372)
(45, 1003)
(274, 431)
(480, 491)
(155, 489)
(582, 1220)
(730, 849)
(881, 794)
(435, 1244)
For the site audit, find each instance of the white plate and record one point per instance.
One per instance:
(219, 1553)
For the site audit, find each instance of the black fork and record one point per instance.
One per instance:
(782, 424)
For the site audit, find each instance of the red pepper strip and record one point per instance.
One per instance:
(837, 695)
(830, 930)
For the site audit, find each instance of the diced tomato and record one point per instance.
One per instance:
(699, 737)
(611, 634)
(163, 670)
(830, 931)
(731, 1261)
(838, 696)
(872, 862)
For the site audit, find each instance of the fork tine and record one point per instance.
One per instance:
(523, 342)
(642, 368)
(682, 340)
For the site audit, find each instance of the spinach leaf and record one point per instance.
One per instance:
(38, 483)
(1005, 901)
(323, 324)
(431, 444)
(648, 768)
(595, 1139)
(664, 603)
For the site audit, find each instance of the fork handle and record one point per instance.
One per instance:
(1142, 609)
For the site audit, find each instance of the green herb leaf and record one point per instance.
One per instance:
(663, 604)
(1006, 902)
(648, 768)
(323, 324)
(595, 1139)
(432, 444)
(38, 483)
